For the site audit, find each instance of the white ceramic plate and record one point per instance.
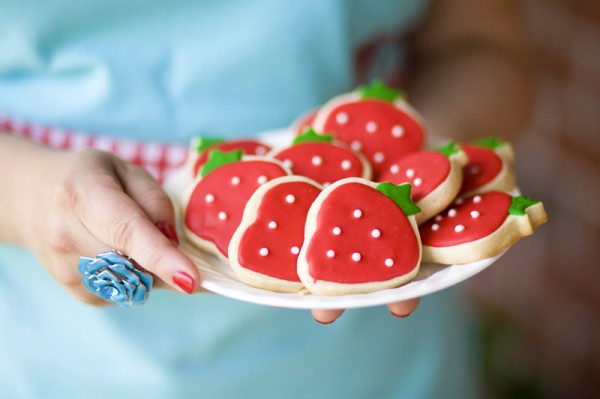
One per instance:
(220, 278)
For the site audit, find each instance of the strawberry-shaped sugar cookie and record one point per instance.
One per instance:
(200, 147)
(303, 122)
(360, 237)
(479, 227)
(489, 167)
(214, 204)
(264, 249)
(319, 158)
(374, 120)
(435, 176)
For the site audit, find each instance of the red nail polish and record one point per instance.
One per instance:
(168, 230)
(184, 281)
(400, 316)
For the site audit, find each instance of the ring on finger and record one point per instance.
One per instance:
(115, 277)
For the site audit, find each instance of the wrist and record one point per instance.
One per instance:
(24, 165)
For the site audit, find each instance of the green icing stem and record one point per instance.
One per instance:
(310, 136)
(489, 142)
(200, 143)
(218, 158)
(519, 204)
(379, 90)
(449, 149)
(400, 195)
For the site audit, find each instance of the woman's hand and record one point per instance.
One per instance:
(62, 205)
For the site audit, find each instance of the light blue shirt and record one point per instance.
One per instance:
(166, 70)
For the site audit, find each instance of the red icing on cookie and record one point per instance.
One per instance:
(483, 167)
(322, 162)
(271, 244)
(377, 128)
(424, 170)
(362, 236)
(215, 207)
(467, 220)
(248, 147)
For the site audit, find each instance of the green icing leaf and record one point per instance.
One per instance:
(310, 135)
(218, 158)
(519, 204)
(200, 144)
(400, 195)
(380, 91)
(449, 149)
(489, 142)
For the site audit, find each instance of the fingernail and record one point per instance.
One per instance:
(184, 281)
(400, 316)
(168, 230)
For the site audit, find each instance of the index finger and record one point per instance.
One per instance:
(121, 223)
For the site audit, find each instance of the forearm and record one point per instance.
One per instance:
(21, 162)
(472, 78)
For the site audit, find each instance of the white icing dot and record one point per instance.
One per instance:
(263, 251)
(261, 150)
(342, 118)
(235, 180)
(376, 233)
(418, 181)
(290, 199)
(452, 212)
(356, 257)
(346, 164)
(357, 213)
(337, 231)
(475, 214)
(272, 224)
(371, 127)
(395, 169)
(397, 131)
(379, 157)
(262, 179)
(389, 262)
(330, 253)
(295, 250)
(473, 170)
(317, 160)
(356, 145)
(477, 199)
(288, 163)
(210, 198)
(435, 227)
(459, 201)
(222, 215)
(459, 228)
(410, 173)
(438, 218)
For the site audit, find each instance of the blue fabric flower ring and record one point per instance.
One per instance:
(116, 278)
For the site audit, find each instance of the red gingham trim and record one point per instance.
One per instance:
(159, 159)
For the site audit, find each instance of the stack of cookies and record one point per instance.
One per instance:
(355, 202)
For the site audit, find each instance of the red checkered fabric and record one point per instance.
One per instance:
(159, 159)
